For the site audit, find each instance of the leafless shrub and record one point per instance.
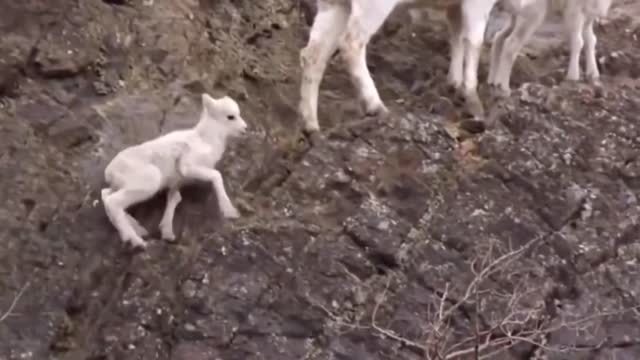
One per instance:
(500, 319)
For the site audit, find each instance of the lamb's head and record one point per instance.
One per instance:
(225, 114)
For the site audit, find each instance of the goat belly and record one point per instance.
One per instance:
(434, 4)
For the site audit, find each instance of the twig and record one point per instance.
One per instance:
(389, 333)
(15, 301)
(491, 268)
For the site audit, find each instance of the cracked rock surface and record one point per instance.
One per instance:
(345, 246)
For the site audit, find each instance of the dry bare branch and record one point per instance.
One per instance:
(14, 302)
(519, 321)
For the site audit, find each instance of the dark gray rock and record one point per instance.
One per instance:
(407, 205)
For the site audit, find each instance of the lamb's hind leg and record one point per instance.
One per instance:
(365, 19)
(328, 25)
(144, 186)
(139, 229)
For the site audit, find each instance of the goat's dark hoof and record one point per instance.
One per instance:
(474, 106)
(310, 137)
(377, 111)
(499, 92)
(473, 126)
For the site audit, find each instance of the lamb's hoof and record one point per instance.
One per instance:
(141, 231)
(167, 234)
(169, 237)
(137, 243)
(230, 213)
(307, 132)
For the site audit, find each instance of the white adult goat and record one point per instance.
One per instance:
(169, 161)
(579, 18)
(348, 25)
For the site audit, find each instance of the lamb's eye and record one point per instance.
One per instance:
(231, 117)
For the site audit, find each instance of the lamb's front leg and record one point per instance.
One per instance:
(140, 230)
(203, 173)
(166, 224)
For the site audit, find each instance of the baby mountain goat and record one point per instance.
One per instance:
(170, 161)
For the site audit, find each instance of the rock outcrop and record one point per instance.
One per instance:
(347, 245)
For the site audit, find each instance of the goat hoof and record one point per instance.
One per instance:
(501, 92)
(309, 137)
(454, 84)
(593, 79)
(311, 127)
(376, 111)
(309, 132)
(475, 108)
(572, 78)
(313, 138)
(167, 235)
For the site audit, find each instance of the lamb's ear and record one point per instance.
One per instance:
(208, 102)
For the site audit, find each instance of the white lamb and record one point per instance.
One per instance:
(348, 25)
(170, 161)
(579, 18)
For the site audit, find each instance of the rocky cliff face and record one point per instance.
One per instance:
(390, 239)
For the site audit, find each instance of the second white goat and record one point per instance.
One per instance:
(579, 19)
